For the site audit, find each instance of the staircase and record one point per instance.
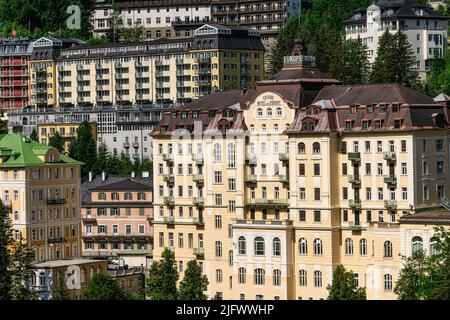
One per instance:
(445, 203)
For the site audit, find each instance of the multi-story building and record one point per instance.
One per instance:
(67, 132)
(122, 128)
(116, 213)
(161, 71)
(42, 69)
(179, 18)
(41, 187)
(14, 81)
(273, 188)
(427, 31)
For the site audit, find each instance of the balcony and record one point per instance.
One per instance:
(354, 203)
(283, 157)
(198, 178)
(135, 144)
(169, 178)
(56, 201)
(203, 59)
(90, 217)
(389, 156)
(390, 204)
(168, 157)
(198, 221)
(56, 240)
(264, 202)
(355, 225)
(197, 158)
(284, 178)
(169, 220)
(126, 144)
(354, 179)
(391, 180)
(199, 252)
(250, 178)
(251, 158)
(198, 201)
(170, 201)
(284, 222)
(354, 156)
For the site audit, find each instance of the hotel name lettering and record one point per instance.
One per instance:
(269, 100)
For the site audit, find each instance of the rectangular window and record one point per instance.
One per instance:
(317, 169)
(231, 184)
(218, 221)
(317, 216)
(344, 193)
(345, 215)
(302, 215)
(344, 169)
(301, 169)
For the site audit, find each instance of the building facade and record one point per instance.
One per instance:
(427, 31)
(14, 81)
(316, 174)
(41, 188)
(116, 214)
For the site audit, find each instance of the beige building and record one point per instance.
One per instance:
(41, 188)
(271, 189)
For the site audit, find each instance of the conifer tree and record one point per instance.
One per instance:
(194, 283)
(383, 69)
(57, 141)
(161, 283)
(5, 255)
(22, 271)
(103, 287)
(34, 135)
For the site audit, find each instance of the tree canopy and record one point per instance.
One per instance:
(343, 287)
(103, 287)
(194, 283)
(161, 283)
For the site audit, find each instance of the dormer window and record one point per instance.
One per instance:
(224, 113)
(316, 111)
(183, 115)
(348, 125)
(173, 115)
(211, 113)
(311, 127)
(397, 124)
(377, 124)
(308, 111)
(353, 109)
(365, 125)
(195, 114)
(369, 109)
(394, 107)
(231, 114)
(382, 108)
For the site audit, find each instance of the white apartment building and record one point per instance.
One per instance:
(426, 29)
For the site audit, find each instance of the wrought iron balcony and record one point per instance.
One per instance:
(355, 225)
(283, 157)
(198, 201)
(267, 202)
(391, 179)
(170, 201)
(250, 178)
(354, 179)
(168, 157)
(56, 201)
(197, 158)
(284, 178)
(169, 178)
(354, 203)
(390, 204)
(389, 156)
(169, 220)
(251, 158)
(354, 156)
(198, 178)
(199, 252)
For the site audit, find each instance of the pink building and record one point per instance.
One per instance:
(116, 211)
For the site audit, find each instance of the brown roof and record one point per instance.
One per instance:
(304, 74)
(427, 217)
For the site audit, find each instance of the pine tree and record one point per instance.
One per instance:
(383, 69)
(126, 166)
(84, 148)
(23, 271)
(5, 254)
(102, 287)
(194, 283)
(161, 283)
(57, 141)
(60, 292)
(356, 62)
(406, 66)
(101, 162)
(342, 287)
(34, 135)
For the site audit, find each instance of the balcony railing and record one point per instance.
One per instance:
(283, 157)
(199, 252)
(391, 179)
(250, 178)
(56, 240)
(354, 156)
(197, 158)
(355, 225)
(390, 204)
(251, 158)
(284, 178)
(267, 202)
(168, 157)
(198, 178)
(56, 201)
(354, 203)
(169, 220)
(389, 156)
(169, 178)
(170, 201)
(198, 201)
(354, 179)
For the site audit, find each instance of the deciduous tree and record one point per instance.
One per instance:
(194, 283)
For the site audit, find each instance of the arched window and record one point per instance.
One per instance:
(42, 279)
(263, 127)
(301, 149)
(259, 246)
(259, 276)
(387, 282)
(317, 278)
(219, 275)
(218, 248)
(417, 244)
(275, 127)
(217, 153)
(303, 246)
(316, 148)
(242, 245)
(303, 278)
(348, 246)
(279, 112)
(231, 155)
(269, 112)
(242, 275)
(363, 247)
(276, 247)
(433, 249)
(388, 249)
(318, 247)
(276, 277)
(259, 112)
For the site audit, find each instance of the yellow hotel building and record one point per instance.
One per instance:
(41, 188)
(67, 131)
(271, 189)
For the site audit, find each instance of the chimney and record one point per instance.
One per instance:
(133, 174)
(103, 175)
(91, 176)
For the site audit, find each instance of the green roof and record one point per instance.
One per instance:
(20, 151)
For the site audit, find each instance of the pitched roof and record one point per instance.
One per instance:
(428, 217)
(20, 151)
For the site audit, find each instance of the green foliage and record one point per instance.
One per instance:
(34, 135)
(22, 271)
(103, 287)
(57, 141)
(3, 127)
(425, 277)
(5, 255)
(60, 291)
(194, 283)
(132, 34)
(342, 287)
(438, 80)
(395, 61)
(84, 148)
(161, 283)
